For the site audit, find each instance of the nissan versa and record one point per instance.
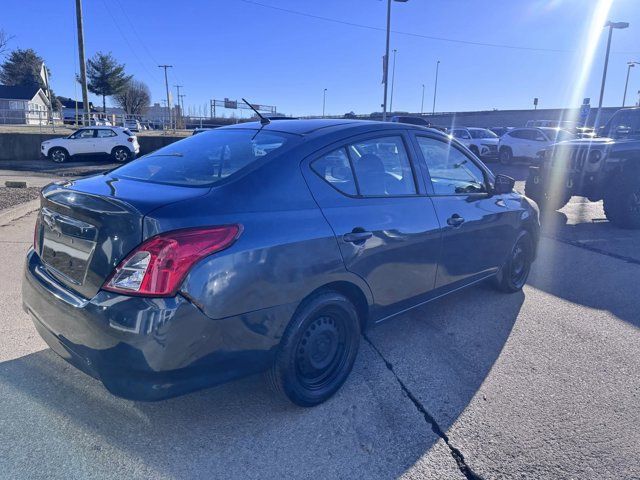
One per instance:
(265, 247)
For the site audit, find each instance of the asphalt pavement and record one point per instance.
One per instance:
(538, 384)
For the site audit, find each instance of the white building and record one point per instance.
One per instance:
(23, 105)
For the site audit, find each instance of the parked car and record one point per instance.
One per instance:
(526, 143)
(605, 168)
(132, 124)
(411, 120)
(265, 247)
(564, 124)
(481, 141)
(119, 143)
(499, 131)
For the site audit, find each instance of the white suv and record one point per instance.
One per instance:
(481, 141)
(525, 143)
(118, 142)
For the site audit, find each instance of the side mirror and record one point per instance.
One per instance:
(503, 184)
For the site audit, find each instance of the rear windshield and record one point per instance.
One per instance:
(203, 159)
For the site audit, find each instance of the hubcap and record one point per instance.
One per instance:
(519, 265)
(321, 351)
(121, 155)
(58, 156)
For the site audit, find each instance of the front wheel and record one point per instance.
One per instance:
(58, 155)
(317, 351)
(515, 271)
(121, 154)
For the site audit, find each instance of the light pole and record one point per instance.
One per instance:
(385, 62)
(324, 101)
(626, 83)
(422, 104)
(611, 25)
(435, 88)
(393, 80)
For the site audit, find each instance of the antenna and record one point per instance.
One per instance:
(263, 120)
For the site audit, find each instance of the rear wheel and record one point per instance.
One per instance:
(317, 350)
(475, 150)
(622, 201)
(505, 156)
(515, 271)
(58, 155)
(121, 154)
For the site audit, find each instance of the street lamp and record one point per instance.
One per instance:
(611, 25)
(422, 104)
(393, 80)
(435, 88)
(626, 83)
(324, 100)
(386, 59)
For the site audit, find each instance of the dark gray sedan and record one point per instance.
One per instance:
(265, 248)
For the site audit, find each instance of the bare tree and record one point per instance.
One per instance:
(134, 98)
(4, 41)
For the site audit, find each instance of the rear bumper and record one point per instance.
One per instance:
(142, 348)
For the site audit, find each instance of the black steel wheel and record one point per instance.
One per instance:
(505, 156)
(317, 351)
(515, 271)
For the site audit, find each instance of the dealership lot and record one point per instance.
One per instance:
(540, 384)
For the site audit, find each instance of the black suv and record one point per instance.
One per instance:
(603, 168)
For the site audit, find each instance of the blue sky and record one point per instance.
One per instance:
(235, 48)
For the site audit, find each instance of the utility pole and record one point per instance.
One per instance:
(324, 101)
(393, 80)
(626, 83)
(166, 84)
(611, 25)
(181, 103)
(422, 104)
(83, 66)
(179, 119)
(435, 89)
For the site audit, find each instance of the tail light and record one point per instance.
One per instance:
(130, 139)
(158, 266)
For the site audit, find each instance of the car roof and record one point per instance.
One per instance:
(311, 127)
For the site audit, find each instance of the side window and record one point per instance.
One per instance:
(519, 134)
(463, 134)
(335, 169)
(451, 171)
(538, 136)
(102, 133)
(85, 133)
(382, 167)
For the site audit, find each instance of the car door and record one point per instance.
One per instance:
(105, 140)
(385, 225)
(477, 226)
(82, 142)
(539, 141)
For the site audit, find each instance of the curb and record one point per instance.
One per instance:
(10, 214)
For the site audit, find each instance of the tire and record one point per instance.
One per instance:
(317, 351)
(121, 154)
(622, 201)
(505, 156)
(515, 271)
(58, 155)
(546, 201)
(475, 150)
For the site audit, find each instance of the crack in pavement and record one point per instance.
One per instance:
(455, 452)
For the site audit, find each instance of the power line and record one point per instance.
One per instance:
(411, 34)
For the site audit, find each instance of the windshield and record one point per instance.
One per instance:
(203, 159)
(481, 133)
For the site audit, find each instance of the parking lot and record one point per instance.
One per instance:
(539, 384)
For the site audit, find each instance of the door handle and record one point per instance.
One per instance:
(357, 236)
(455, 220)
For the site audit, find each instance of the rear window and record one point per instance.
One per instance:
(203, 159)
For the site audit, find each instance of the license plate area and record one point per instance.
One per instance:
(68, 245)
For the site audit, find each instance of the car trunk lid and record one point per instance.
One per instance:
(86, 227)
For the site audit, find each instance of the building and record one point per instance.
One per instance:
(23, 105)
(71, 108)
